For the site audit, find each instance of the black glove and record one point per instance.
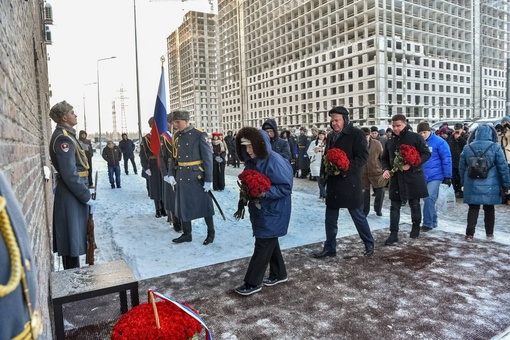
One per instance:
(447, 181)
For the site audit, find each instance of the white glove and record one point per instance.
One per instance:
(148, 172)
(207, 186)
(170, 180)
(92, 204)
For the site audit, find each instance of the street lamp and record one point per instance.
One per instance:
(137, 78)
(84, 114)
(99, 100)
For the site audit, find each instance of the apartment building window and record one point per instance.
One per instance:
(399, 85)
(399, 71)
(408, 72)
(417, 86)
(341, 89)
(332, 79)
(349, 75)
(389, 70)
(425, 87)
(417, 74)
(360, 73)
(371, 84)
(351, 88)
(360, 86)
(390, 84)
(371, 70)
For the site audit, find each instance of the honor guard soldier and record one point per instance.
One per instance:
(192, 176)
(72, 194)
(18, 320)
(151, 168)
(167, 162)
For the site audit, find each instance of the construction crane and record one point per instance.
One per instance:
(211, 3)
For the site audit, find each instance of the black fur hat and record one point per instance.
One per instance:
(253, 136)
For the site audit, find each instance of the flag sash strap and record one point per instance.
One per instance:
(168, 136)
(187, 310)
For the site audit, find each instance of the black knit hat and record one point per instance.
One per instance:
(340, 110)
(423, 126)
(374, 128)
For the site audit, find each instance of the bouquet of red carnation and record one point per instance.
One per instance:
(174, 323)
(253, 184)
(406, 155)
(336, 162)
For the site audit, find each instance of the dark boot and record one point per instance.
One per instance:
(210, 235)
(186, 233)
(392, 239)
(415, 231)
(177, 224)
(158, 211)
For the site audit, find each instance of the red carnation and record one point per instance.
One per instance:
(253, 184)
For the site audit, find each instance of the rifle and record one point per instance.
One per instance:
(91, 240)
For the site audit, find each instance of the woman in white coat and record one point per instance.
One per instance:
(315, 152)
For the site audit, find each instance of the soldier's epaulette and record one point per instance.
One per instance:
(199, 129)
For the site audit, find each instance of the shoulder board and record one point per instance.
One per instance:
(199, 129)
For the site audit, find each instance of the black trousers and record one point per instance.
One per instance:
(70, 262)
(132, 159)
(414, 204)
(457, 186)
(267, 251)
(379, 197)
(488, 219)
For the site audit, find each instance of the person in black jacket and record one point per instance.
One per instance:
(407, 184)
(278, 145)
(112, 155)
(127, 147)
(231, 150)
(456, 141)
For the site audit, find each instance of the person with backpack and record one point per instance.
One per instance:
(483, 186)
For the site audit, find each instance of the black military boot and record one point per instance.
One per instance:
(158, 211)
(186, 233)
(415, 231)
(210, 235)
(392, 239)
(176, 223)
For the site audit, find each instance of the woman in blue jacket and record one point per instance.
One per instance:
(488, 191)
(271, 220)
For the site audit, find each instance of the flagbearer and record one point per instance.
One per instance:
(150, 167)
(192, 176)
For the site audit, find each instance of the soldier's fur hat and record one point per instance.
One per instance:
(253, 136)
(180, 115)
(59, 110)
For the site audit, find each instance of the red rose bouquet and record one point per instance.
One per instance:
(406, 155)
(336, 162)
(251, 186)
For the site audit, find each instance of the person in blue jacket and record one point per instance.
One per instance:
(271, 220)
(488, 191)
(437, 170)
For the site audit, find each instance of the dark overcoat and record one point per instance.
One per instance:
(14, 313)
(345, 190)
(410, 184)
(70, 211)
(167, 162)
(303, 162)
(149, 161)
(128, 148)
(193, 167)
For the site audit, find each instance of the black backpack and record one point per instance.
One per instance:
(478, 165)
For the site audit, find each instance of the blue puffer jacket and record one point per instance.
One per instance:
(272, 220)
(486, 191)
(439, 165)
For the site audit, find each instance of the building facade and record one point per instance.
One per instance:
(294, 59)
(193, 69)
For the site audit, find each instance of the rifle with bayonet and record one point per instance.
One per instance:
(91, 239)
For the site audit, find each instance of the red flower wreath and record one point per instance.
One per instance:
(139, 323)
(406, 155)
(336, 162)
(253, 184)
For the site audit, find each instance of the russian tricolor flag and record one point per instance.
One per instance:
(160, 124)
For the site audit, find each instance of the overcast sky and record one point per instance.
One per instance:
(84, 31)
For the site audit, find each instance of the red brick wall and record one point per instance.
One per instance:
(25, 129)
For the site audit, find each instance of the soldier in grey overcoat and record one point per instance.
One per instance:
(192, 176)
(72, 194)
(167, 162)
(150, 167)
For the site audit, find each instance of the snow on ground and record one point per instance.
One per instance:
(127, 228)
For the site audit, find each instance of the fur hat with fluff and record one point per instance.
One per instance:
(257, 142)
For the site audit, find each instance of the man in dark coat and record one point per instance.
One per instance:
(254, 149)
(408, 183)
(192, 177)
(303, 162)
(344, 190)
(151, 169)
(112, 155)
(231, 155)
(278, 145)
(127, 147)
(72, 194)
(456, 141)
(86, 144)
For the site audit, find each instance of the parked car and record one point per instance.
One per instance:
(483, 121)
(451, 123)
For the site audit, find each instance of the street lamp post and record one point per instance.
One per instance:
(84, 114)
(137, 79)
(99, 100)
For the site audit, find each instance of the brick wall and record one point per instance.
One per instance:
(25, 129)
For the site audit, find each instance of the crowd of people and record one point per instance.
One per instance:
(190, 165)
